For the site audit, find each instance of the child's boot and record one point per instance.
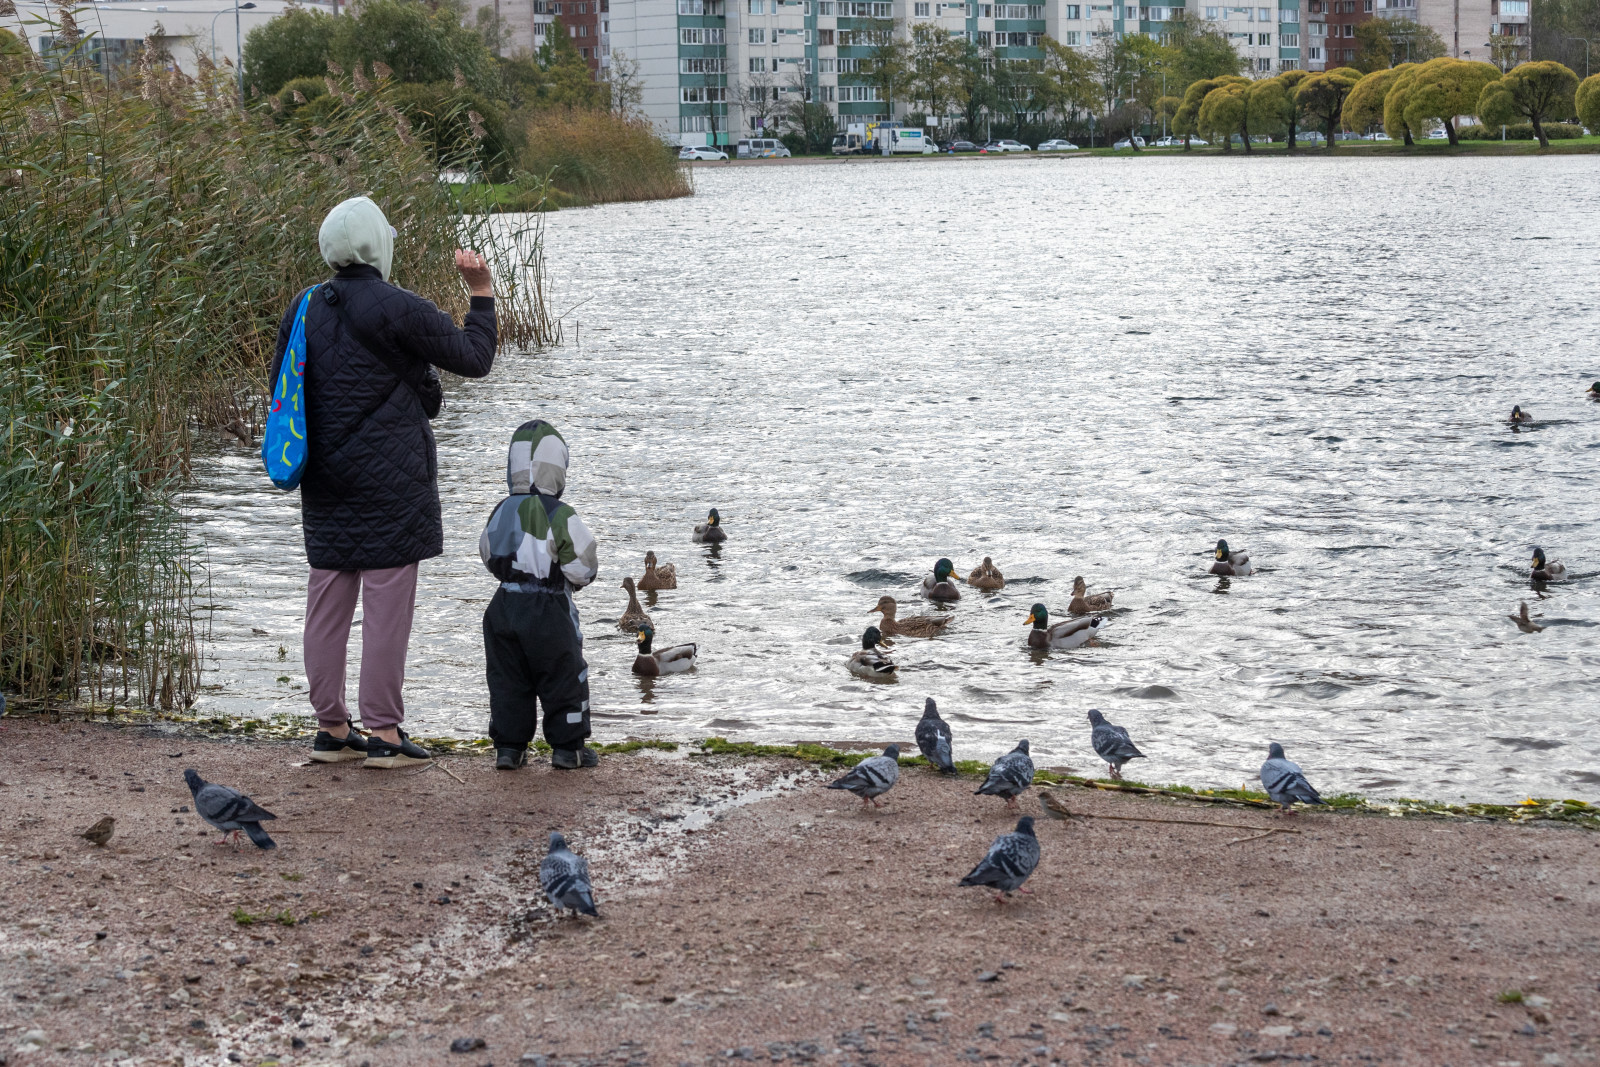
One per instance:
(570, 759)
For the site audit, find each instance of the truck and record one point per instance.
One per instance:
(854, 141)
(895, 140)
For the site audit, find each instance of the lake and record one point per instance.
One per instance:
(1081, 366)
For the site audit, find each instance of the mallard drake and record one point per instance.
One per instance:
(1525, 624)
(1518, 415)
(1593, 392)
(710, 532)
(634, 617)
(1547, 571)
(986, 576)
(674, 660)
(916, 626)
(869, 662)
(1068, 634)
(664, 576)
(941, 584)
(1085, 602)
(1235, 564)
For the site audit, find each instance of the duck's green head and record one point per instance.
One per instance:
(1538, 559)
(1039, 615)
(871, 638)
(1516, 411)
(942, 569)
(1222, 549)
(1595, 388)
(713, 519)
(646, 634)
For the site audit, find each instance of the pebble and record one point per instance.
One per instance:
(989, 976)
(1277, 1031)
(1225, 1029)
(1133, 981)
(1269, 1009)
(467, 1044)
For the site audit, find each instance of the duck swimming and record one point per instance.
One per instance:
(710, 532)
(941, 584)
(1525, 624)
(915, 626)
(634, 618)
(986, 576)
(869, 662)
(1085, 602)
(1069, 634)
(664, 576)
(1593, 392)
(1547, 571)
(674, 660)
(1234, 564)
(1518, 415)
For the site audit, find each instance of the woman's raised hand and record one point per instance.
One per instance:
(474, 271)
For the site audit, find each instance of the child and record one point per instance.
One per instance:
(541, 551)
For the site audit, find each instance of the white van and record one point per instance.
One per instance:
(903, 142)
(762, 148)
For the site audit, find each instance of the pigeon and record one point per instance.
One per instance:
(1010, 775)
(1284, 780)
(1009, 861)
(564, 876)
(229, 810)
(872, 777)
(1112, 743)
(933, 738)
(100, 832)
(1525, 624)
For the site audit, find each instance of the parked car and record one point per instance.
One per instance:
(960, 146)
(1006, 145)
(762, 148)
(1438, 134)
(1127, 143)
(1170, 142)
(700, 151)
(1058, 145)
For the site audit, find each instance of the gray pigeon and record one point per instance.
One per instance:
(1009, 861)
(1010, 775)
(229, 810)
(564, 876)
(933, 738)
(1285, 781)
(872, 777)
(1112, 743)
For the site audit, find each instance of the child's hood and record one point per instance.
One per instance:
(537, 461)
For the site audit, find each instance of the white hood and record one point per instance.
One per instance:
(356, 231)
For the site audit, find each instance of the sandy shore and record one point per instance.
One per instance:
(750, 914)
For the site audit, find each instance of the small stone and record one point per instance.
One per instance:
(1534, 1000)
(1042, 1050)
(1323, 1031)
(297, 1043)
(468, 1044)
(1133, 981)
(234, 1057)
(989, 976)
(1269, 1009)
(534, 1058)
(1277, 1031)
(1225, 1029)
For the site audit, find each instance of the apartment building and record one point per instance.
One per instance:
(713, 71)
(527, 21)
(1467, 27)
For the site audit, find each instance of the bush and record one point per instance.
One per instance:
(293, 45)
(598, 157)
(442, 115)
(795, 143)
(1522, 131)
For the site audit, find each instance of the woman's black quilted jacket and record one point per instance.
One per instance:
(369, 498)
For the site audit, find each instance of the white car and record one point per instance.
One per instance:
(1126, 143)
(1169, 142)
(1058, 146)
(1438, 135)
(700, 151)
(1007, 145)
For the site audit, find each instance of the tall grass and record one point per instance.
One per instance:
(599, 157)
(154, 234)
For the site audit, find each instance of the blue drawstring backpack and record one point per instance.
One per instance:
(283, 446)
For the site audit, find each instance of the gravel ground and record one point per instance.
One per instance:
(750, 915)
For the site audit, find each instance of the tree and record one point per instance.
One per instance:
(1560, 28)
(1533, 91)
(1363, 108)
(806, 118)
(1064, 84)
(1138, 63)
(974, 86)
(1388, 42)
(563, 78)
(1587, 101)
(758, 98)
(1199, 50)
(627, 87)
(1444, 88)
(1226, 109)
(1394, 104)
(1272, 104)
(934, 57)
(887, 62)
(1321, 98)
(420, 44)
(1186, 120)
(293, 45)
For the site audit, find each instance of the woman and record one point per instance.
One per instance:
(369, 497)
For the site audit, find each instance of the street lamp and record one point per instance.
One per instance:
(1585, 41)
(238, 49)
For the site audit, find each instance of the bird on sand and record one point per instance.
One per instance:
(933, 738)
(229, 810)
(564, 877)
(1112, 743)
(100, 832)
(1285, 781)
(1010, 775)
(1009, 861)
(1525, 624)
(872, 777)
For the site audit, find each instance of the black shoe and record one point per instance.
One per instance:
(329, 749)
(570, 759)
(509, 759)
(381, 753)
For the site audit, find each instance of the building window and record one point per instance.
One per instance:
(1313, 53)
(1072, 11)
(1317, 29)
(824, 7)
(808, 37)
(1349, 29)
(920, 10)
(1264, 39)
(691, 36)
(758, 64)
(1513, 7)
(983, 38)
(849, 66)
(755, 7)
(704, 95)
(1211, 13)
(1288, 14)
(1073, 38)
(1289, 40)
(1263, 65)
(703, 65)
(1288, 64)
(825, 93)
(825, 38)
(714, 34)
(758, 35)
(826, 66)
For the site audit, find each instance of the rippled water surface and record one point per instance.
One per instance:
(1091, 367)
